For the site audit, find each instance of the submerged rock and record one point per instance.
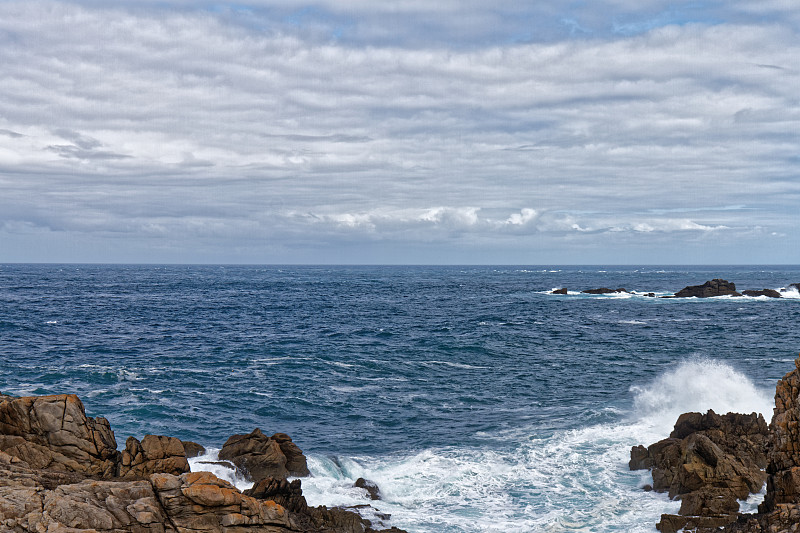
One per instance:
(715, 287)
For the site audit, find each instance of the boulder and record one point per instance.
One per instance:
(192, 449)
(54, 433)
(152, 455)
(771, 293)
(261, 457)
(559, 291)
(283, 492)
(370, 486)
(715, 287)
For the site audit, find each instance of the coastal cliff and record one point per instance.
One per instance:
(61, 472)
(710, 461)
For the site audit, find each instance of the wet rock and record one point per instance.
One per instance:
(709, 461)
(602, 290)
(715, 287)
(370, 486)
(560, 291)
(771, 293)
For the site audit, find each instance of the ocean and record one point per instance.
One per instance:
(476, 400)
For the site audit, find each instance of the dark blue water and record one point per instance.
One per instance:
(376, 361)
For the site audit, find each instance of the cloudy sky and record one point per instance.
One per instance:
(407, 131)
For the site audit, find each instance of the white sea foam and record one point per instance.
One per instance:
(575, 480)
(205, 463)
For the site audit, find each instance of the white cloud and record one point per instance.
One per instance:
(160, 123)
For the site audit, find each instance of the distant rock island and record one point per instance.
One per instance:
(710, 461)
(709, 289)
(61, 472)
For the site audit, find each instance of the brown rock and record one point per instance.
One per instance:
(284, 493)
(152, 455)
(370, 486)
(192, 449)
(54, 433)
(559, 291)
(260, 457)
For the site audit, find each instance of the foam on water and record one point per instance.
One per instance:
(206, 463)
(575, 480)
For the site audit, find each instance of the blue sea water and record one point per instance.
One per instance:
(473, 397)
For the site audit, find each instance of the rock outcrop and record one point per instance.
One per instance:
(60, 472)
(154, 454)
(770, 293)
(261, 457)
(708, 462)
(562, 290)
(715, 287)
(780, 511)
(54, 433)
(603, 290)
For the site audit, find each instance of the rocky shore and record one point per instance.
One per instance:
(711, 461)
(61, 472)
(709, 289)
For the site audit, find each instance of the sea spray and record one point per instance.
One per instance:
(574, 480)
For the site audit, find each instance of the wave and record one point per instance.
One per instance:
(574, 480)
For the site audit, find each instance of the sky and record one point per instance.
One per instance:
(400, 132)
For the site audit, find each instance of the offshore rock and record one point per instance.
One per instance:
(54, 433)
(562, 290)
(715, 287)
(709, 462)
(770, 293)
(152, 455)
(602, 290)
(261, 457)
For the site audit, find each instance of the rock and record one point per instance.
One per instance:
(602, 290)
(559, 291)
(54, 433)
(715, 287)
(671, 523)
(261, 457)
(285, 493)
(51, 492)
(771, 293)
(709, 461)
(152, 455)
(192, 449)
(651, 295)
(370, 486)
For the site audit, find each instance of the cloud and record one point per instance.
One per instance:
(173, 122)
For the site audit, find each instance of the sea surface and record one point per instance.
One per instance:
(475, 399)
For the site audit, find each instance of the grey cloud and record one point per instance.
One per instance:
(12, 134)
(164, 123)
